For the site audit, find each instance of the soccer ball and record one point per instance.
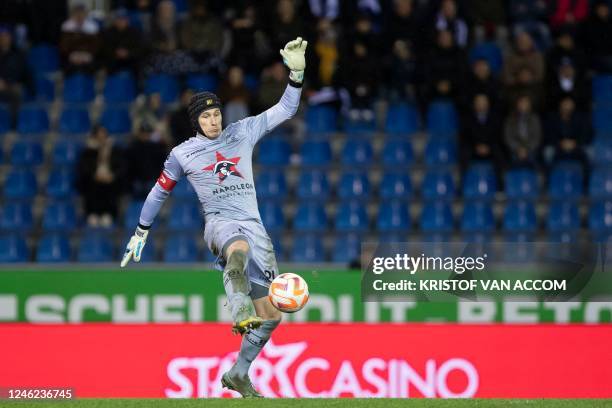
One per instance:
(288, 292)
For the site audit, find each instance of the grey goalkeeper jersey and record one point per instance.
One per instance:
(220, 170)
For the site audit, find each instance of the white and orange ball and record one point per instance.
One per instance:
(288, 292)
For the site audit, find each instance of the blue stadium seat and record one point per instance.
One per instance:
(354, 185)
(521, 184)
(43, 59)
(307, 249)
(13, 249)
(131, 216)
(181, 248)
(66, 152)
(44, 91)
(59, 216)
(396, 184)
(5, 120)
(357, 153)
(32, 120)
(402, 119)
(393, 216)
(20, 184)
(351, 217)
(479, 182)
(74, 121)
(274, 152)
(490, 52)
(359, 127)
(321, 119)
(566, 181)
(53, 248)
(602, 151)
(397, 153)
(600, 184)
(166, 86)
(440, 151)
(27, 153)
(316, 153)
(436, 217)
(271, 184)
(202, 82)
(438, 184)
(600, 217)
(520, 216)
(61, 183)
(602, 119)
(563, 216)
(79, 88)
(184, 191)
(16, 216)
(271, 212)
(347, 248)
(477, 217)
(184, 216)
(95, 248)
(313, 184)
(310, 216)
(602, 89)
(120, 88)
(116, 120)
(442, 118)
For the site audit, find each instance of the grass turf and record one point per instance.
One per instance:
(303, 402)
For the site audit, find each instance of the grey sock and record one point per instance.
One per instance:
(251, 346)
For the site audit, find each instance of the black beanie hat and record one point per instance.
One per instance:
(199, 103)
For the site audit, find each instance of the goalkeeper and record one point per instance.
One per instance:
(217, 163)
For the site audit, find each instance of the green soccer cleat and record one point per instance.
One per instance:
(243, 314)
(242, 386)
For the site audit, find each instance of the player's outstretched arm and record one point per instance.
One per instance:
(154, 202)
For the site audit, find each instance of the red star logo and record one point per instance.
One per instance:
(224, 167)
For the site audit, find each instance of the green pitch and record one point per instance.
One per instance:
(307, 403)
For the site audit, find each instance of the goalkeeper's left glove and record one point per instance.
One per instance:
(293, 57)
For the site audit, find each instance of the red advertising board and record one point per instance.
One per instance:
(313, 360)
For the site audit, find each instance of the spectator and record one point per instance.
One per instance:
(15, 76)
(248, 41)
(597, 31)
(525, 55)
(448, 20)
(235, 96)
(567, 13)
(566, 83)
(444, 68)
(152, 115)
(363, 32)
(165, 40)
(323, 59)
(530, 16)
(481, 133)
(481, 81)
(523, 133)
(526, 85)
(568, 134)
(402, 72)
(361, 77)
(564, 50)
(272, 87)
(100, 171)
(80, 42)
(180, 124)
(487, 15)
(145, 158)
(122, 45)
(286, 25)
(402, 24)
(203, 36)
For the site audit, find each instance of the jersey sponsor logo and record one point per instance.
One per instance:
(224, 167)
(166, 182)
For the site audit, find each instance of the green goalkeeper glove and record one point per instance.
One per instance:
(135, 246)
(293, 57)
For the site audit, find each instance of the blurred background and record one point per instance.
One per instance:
(421, 119)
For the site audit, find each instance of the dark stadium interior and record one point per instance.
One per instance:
(431, 119)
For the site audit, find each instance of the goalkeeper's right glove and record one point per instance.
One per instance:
(293, 57)
(135, 246)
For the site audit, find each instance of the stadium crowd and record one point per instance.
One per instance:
(516, 74)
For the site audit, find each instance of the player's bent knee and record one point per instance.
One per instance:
(239, 245)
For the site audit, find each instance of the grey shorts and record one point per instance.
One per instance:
(262, 268)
